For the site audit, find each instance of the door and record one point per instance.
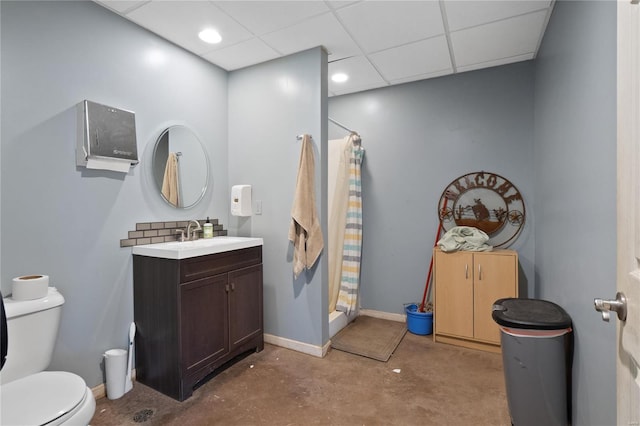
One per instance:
(628, 212)
(454, 293)
(495, 277)
(203, 321)
(245, 304)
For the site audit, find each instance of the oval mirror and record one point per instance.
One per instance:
(180, 167)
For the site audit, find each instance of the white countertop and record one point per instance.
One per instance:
(201, 247)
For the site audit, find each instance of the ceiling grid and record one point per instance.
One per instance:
(376, 42)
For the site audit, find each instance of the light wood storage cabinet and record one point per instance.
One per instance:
(466, 284)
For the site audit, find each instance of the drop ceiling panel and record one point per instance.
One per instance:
(323, 30)
(379, 25)
(498, 40)
(180, 22)
(358, 88)
(261, 17)
(123, 6)
(422, 77)
(377, 42)
(422, 57)
(464, 13)
(497, 62)
(242, 54)
(337, 4)
(359, 66)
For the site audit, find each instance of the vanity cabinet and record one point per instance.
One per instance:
(466, 284)
(193, 315)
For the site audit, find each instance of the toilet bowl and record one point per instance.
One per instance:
(47, 398)
(29, 395)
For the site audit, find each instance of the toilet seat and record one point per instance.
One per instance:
(48, 397)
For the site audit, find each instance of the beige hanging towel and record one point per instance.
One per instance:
(170, 181)
(305, 232)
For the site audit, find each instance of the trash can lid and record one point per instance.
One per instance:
(530, 314)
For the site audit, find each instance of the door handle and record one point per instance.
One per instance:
(619, 305)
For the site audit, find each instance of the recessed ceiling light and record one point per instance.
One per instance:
(340, 77)
(210, 36)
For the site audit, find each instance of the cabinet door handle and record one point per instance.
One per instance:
(233, 286)
(226, 288)
(479, 272)
(466, 271)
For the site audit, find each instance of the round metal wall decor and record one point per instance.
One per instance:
(486, 201)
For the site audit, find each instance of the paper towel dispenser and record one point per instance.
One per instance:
(108, 139)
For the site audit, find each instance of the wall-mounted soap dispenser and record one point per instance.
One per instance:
(241, 200)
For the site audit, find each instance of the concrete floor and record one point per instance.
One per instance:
(437, 384)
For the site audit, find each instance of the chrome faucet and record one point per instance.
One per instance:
(192, 235)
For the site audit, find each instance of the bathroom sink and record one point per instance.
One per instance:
(201, 247)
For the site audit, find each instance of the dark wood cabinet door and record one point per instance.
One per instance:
(245, 304)
(204, 326)
(194, 315)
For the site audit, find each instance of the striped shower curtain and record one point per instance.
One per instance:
(352, 247)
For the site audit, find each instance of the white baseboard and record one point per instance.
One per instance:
(384, 315)
(321, 351)
(306, 348)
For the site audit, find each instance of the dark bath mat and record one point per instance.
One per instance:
(370, 337)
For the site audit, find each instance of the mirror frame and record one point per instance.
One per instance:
(158, 185)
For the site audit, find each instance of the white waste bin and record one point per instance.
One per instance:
(115, 365)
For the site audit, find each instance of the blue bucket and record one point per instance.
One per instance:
(418, 322)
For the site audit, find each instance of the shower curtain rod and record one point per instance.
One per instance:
(342, 125)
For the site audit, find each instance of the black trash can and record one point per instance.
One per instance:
(537, 354)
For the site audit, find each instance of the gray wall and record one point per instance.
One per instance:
(269, 105)
(575, 183)
(418, 138)
(66, 221)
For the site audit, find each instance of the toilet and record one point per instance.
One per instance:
(28, 394)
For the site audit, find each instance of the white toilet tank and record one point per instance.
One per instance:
(32, 330)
